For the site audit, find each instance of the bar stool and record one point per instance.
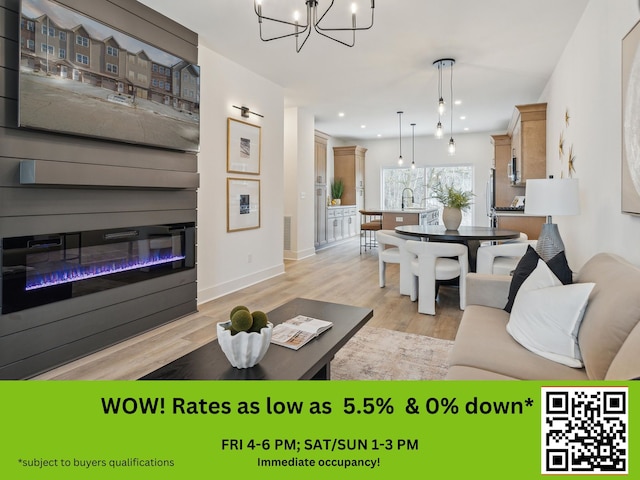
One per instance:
(370, 223)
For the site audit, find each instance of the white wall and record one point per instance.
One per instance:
(587, 82)
(230, 261)
(471, 149)
(299, 181)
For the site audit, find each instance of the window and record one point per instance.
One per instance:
(28, 24)
(167, 86)
(154, 82)
(47, 48)
(80, 40)
(82, 59)
(62, 36)
(112, 68)
(31, 45)
(421, 181)
(112, 51)
(161, 84)
(161, 70)
(48, 31)
(62, 53)
(154, 67)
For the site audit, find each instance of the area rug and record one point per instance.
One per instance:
(380, 354)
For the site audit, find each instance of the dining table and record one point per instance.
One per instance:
(471, 236)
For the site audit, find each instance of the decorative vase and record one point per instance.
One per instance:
(452, 217)
(244, 349)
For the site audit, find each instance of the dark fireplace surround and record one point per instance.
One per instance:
(42, 269)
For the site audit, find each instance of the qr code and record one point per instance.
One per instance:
(585, 430)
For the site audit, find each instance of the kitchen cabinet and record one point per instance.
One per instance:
(394, 218)
(521, 223)
(341, 223)
(504, 191)
(348, 165)
(528, 132)
(321, 158)
(320, 200)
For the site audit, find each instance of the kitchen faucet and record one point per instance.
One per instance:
(402, 201)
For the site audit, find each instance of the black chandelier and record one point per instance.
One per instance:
(313, 20)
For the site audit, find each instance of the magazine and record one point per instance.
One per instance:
(298, 331)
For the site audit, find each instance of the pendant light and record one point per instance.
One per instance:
(400, 160)
(441, 64)
(413, 146)
(452, 143)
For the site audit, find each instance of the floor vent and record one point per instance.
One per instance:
(287, 233)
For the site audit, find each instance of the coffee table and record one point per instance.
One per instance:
(311, 362)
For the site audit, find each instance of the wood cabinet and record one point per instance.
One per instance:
(321, 158)
(522, 223)
(348, 165)
(504, 191)
(528, 131)
(320, 200)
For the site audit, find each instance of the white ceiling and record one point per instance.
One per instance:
(505, 52)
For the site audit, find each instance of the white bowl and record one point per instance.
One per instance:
(244, 349)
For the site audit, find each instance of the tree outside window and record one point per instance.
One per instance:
(421, 181)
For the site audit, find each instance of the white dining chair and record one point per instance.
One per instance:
(501, 259)
(434, 261)
(391, 249)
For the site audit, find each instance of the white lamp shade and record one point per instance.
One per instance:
(551, 196)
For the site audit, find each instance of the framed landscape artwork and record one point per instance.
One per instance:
(244, 145)
(82, 77)
(243, 204)
(631, 121)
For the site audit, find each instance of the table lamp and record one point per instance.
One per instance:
(548, 197)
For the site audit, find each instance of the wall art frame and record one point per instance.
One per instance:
(630, 177)
(244, 147)
(243, 204)
(90, 71)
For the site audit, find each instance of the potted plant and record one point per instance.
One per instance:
(245, 338)
(454, 201)
(337, 188)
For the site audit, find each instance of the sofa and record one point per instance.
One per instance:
(608, 335)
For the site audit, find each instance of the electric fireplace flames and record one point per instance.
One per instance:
(42, 269)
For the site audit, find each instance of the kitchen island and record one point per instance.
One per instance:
(408, 216)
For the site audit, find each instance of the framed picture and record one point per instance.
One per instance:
(243, 204)
(631, 121)
(244, 146)
(89, 71)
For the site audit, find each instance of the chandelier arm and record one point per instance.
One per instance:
(353, 42)
(319, 29)
(298, 48)
(306, 29)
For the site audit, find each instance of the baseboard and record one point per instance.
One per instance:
(291, 255)
(208, 294)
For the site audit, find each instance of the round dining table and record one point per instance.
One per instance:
(467, 235)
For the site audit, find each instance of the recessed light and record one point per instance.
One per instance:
(379, 135)
(463, 117)
(466, 129)
(363, 126)
(341, 114)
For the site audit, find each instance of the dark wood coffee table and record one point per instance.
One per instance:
(311, 362)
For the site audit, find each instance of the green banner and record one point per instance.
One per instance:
(313, 430)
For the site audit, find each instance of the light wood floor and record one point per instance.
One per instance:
(336, 274)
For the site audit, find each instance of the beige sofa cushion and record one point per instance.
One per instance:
(483, 342)
(626, 364)
(460, 372)
(612, 313)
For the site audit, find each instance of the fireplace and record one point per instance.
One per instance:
(47, 268)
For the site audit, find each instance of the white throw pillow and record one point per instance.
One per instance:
(546, 316)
